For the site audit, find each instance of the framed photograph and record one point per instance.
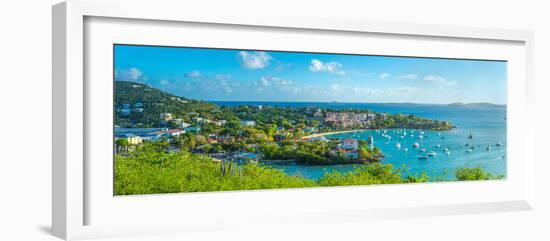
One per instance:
(167, 122)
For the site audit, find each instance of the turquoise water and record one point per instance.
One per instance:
(487, 124)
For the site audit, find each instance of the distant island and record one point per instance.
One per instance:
(477, 104)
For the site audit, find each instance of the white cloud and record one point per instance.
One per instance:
(275, 81)
(222, 77)
(438, 80)
(131, 74)
(384, 75)
(194, 74)
(408, 76)
(330, 67)
(254, 60)
(264, 82)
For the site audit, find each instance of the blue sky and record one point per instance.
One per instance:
(244, 75)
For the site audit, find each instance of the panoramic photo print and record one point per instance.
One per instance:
(190, 119)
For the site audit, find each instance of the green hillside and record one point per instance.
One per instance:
(144, 104)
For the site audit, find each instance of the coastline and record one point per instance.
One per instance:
(330, 133)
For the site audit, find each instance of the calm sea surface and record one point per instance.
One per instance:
(486, 123)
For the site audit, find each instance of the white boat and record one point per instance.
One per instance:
(445, 149)
(500, 144)
(469, 150)
(488, 148)
(406, 149)
(422, 150)
(398, 145)
(432, 154)
(438, 145)
(448, 152)
(416, 145)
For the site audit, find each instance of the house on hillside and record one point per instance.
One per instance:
(248, 123)
(318, 114)
(133, 139)
(193, 129)
(220, 122)
(169, 133)
(165, 117)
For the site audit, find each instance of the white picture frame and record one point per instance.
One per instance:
(73, 190)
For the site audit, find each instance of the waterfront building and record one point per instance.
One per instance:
(310, 129)
(350, 144)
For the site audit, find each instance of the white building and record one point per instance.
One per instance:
(220, 122)
(133, 139)
(248, 123)
(166, 117)
(350, 144)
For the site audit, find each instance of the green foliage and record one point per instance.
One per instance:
(374, 173)
(472, 174)
(151, 169)
(148, 171)
(312, 153)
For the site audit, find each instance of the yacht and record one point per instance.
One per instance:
(416, 145)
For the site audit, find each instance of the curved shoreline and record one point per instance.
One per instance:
(331, 133)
